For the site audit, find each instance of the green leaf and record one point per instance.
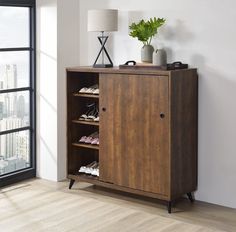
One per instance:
(145, 30)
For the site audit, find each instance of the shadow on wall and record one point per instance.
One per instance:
(122, 40)
(217, 133)
(169, 36)
(179, 33)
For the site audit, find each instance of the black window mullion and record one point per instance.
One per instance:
(32, 85)
(15, 49)
(15, 130)
(15, 90)
(18, 3)
(29, 172)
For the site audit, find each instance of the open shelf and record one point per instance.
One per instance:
(96, 147)
(86, 95)
(86, 122)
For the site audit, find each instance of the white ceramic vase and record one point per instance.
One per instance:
(159, 57)
(146, 53)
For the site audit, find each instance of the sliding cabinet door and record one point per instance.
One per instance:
(134, 133)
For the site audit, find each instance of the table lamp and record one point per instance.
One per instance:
(103, 21)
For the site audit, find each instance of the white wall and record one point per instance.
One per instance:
(57, 48)
(68, 55)
(47, 89)
(200, 33)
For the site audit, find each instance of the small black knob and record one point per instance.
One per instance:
(103, 109)
(162, 115)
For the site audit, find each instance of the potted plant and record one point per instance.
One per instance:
(144, 31)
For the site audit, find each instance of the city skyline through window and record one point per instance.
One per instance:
(16, 89)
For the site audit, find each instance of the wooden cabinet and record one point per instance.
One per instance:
(147, 130)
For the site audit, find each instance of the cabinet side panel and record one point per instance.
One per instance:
(184, 118)
(71, 157)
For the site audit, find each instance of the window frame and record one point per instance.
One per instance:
(30, 172)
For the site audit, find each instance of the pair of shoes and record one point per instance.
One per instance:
(92, 114)
(91, 139)
(90, 169)
(90, 90)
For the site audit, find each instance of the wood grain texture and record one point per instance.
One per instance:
(45, 206)
(184, 125)
(96, 147)
(134, 138)
(98, 182)
(148, 129)
(89, 69)
(86, 122)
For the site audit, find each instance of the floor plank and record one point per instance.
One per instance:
(43, 206)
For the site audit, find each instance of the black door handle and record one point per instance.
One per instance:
(162, 115)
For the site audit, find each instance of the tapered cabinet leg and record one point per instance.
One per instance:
(169, 204)
(190, 197)
(71, 183)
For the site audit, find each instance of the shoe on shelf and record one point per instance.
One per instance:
(90, 114)
(95, 171)
(90, 90)
(93, 89)
(82, 139)
(83, 90)
(96, 119)
(84, 168)
(83, 117)
(91, 137)
(90, 169)
(94, 116)
(95, 141)
(96, 91)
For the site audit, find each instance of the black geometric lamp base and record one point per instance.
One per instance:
(103, 65)
(103, 39)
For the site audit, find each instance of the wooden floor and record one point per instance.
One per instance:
(39, 205)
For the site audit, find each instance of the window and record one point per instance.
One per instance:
(17, 90)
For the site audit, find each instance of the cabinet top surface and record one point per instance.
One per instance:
(125, 71)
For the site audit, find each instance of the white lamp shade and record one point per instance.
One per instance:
(103, 20)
